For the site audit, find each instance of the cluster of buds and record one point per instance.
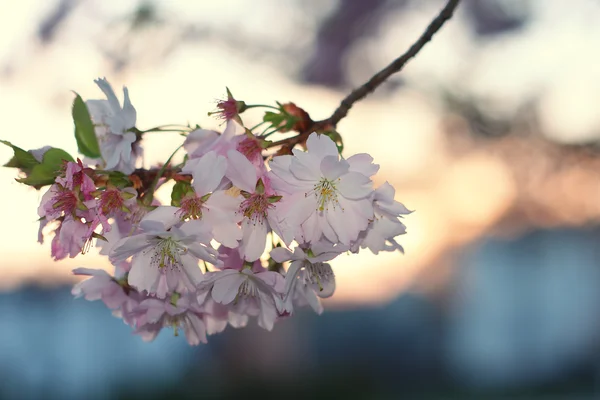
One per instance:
(248, 233)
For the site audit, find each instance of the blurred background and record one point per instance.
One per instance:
(491, 134)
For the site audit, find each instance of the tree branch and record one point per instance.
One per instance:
(356, 95)
(395, 66)
(372, 84)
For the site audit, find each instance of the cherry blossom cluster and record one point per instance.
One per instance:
(250, 230)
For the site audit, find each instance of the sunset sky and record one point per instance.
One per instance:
(553, 59)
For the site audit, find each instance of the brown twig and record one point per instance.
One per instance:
(395, 66)
(357, 94)
(377, 79)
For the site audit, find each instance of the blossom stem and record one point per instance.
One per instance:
(265, 135)
(160, 128)
(257, 125)
(149, 194)
(261, 106)
(265, 130)
(164, 130)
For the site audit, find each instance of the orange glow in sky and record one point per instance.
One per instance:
(455, 197)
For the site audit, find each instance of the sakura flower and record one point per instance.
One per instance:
(308, 275)
(71, 238)
(232, 259)
(46, 210)
(165, 256)
(123, 224)
(101, 286)
(229, 109)
(113, 200)
(380, 234)
(118, 296)
(177, 312)
(216, 208)
(247, 293)
(70, 205)
(113, 129)
(326, 196)
(71, 235)
(258, 208)
(76, 178)
(56, 201)
(202, 141)
(251, 147)
(68, 194)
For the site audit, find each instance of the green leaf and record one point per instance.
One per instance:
(40, 175)
(37, 173)
(118, 179)
(84, 129)
(180, 189)
(45, 173)
(274, 118)
(54, 159)
(22, 159)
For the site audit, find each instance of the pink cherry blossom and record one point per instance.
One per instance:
(67, 202)
(100, 286)
(258, 208)
(323, 195)
(232, 259)
(215, 207)
(198, 264)
(76, 178)
(165, 256)
(246, 293)
(308, 276)
(380, 234)
(70, 239)
(113, 129)
(177, 312)
(202, 141)
(251, 147)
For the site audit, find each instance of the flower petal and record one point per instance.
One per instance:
(312, 300)
(305, 166)
(354, 185)
(129, 114)
(363, 163)
(143, 275)
(194, 330)
(254, 240)
(332, 168)
(291, 278)
(129, 246)
(298, 207)
(225, 289)
(197, 140)
(240, 171)
(208, 172)
(110, 94)
(281, 254)
(191, 269)
(165, 215)
(321, 146)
